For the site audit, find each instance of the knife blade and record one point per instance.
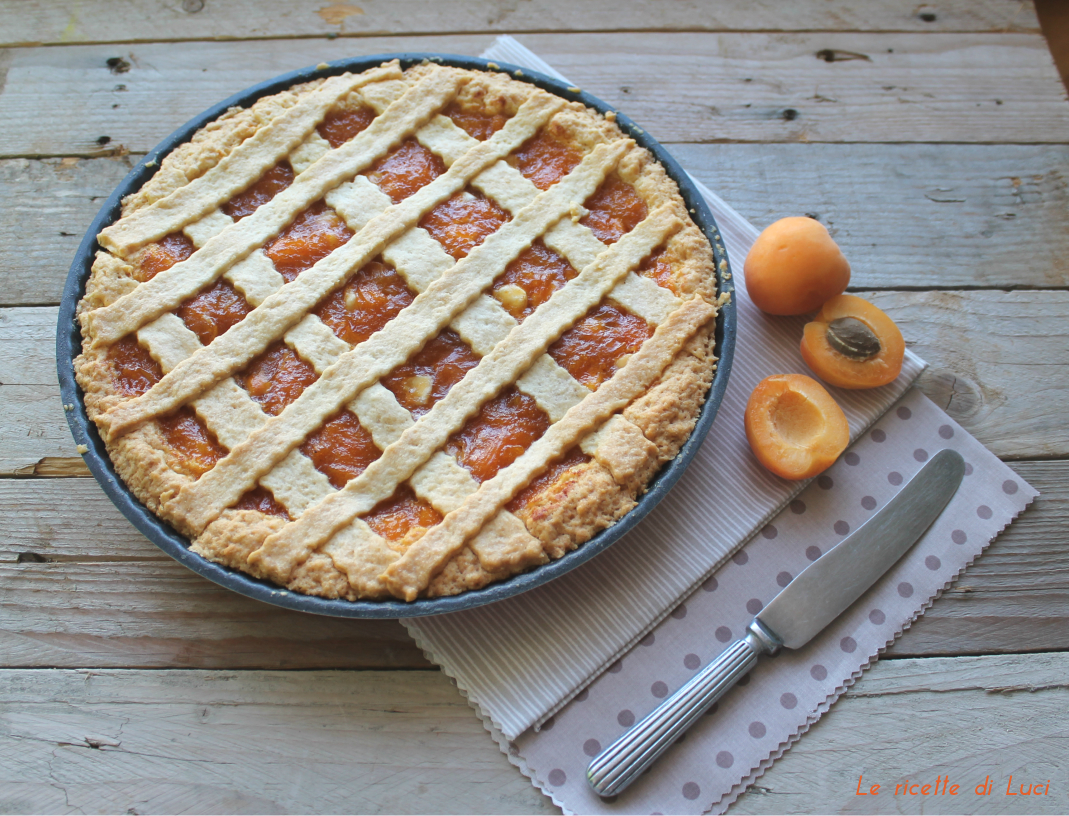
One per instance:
(815, 598)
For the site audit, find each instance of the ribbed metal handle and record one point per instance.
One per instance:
(622, 762)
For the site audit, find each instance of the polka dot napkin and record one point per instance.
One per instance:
(753, 724)
(559, 672)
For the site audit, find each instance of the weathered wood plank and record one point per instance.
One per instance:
(32, 427)
(405, 742)
(963, 718)
(27, 341)
(754, 87)
(1015, 597)
(998, 362)
(114, 600)
(87, 589)
(906, 216)
(925, 216)
(249, 742)
(156, 613)
(45, 209)
(29, 23)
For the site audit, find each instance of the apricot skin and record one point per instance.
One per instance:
(839, 370)
(795, 428)
(794, 266)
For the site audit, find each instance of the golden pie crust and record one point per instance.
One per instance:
(602, 441)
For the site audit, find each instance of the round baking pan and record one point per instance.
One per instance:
(68, 346)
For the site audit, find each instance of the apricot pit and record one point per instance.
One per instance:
(795, 428)
(852, 344)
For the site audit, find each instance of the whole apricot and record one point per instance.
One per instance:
(795, 428)
(852, 344)
(794, 266)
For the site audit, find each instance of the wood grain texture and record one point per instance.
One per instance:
(87, 589)
(966, 718)
(910, 216)
(54, 201)
(249, 742)
(33, 427)
(927, 216)
(405, 742)
(997, 362)
(114, 600)
(1015, 597)
(686, 87)
(31, 23)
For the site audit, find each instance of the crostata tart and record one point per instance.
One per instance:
(398, 333)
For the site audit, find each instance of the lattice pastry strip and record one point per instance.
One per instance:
(231, 415)
(288, 548)
(445, 483)
(514, 191)
(554, 389)
(420, 259)
(243, 166)
(432, 309)
(168, 289)
(409, 575)
(278, 312)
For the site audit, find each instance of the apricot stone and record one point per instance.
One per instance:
(794, 266)
(795, 428)
(852, 344)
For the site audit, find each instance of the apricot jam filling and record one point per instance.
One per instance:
(369, 300)
(545, 160)
(342, 124)
(134, 369)
(394, 517)
(260, 498)
(615, 209)
(463, 222)
(531, 279)
(405, 169)
(276, 378)
(594, 348)
(214, 311)
(312, 236)
(428, 376)
(476, 123)
(341, 449)
(163, 254)
(191, 441)
(658, 268)
(546, 478)
(495, 437)
(270, 184)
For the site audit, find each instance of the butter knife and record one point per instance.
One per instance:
(820, 593)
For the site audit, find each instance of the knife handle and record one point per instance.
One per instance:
(622, 762)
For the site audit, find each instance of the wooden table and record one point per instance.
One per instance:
(930, 139)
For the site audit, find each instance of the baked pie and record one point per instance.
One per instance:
(398, 333)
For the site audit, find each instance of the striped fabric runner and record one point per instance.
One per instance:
(520, 660)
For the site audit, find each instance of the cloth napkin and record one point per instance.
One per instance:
(558, 673)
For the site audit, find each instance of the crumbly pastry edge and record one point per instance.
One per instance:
(582, 501)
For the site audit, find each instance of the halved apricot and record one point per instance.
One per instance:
(795, 428)
(794, 266)
(852, 344)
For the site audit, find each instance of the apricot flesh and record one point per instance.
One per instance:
(794, 266)
(795, 428)
(836, 350)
